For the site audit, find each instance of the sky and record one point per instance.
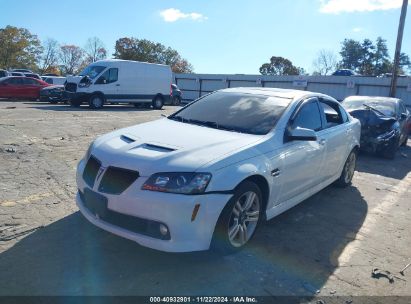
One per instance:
(216, 36)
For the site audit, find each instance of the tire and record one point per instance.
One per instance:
(158, 102)
(237, 222)
(404, 143)
(96, 101)
(176, 101)
(75, 104)
(348, 170)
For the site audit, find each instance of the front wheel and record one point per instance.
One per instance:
(239, 219)
(96, 101)
(348, 170)
(176, 101)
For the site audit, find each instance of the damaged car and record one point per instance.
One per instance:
(384, 123)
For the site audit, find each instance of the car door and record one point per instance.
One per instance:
(16, 87)
(31, 88)
(303, 159)
(108, 84)
(336, 134)
(403, 119)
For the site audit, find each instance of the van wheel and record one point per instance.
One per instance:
(158, 103)
(96, 101)
(239, 219)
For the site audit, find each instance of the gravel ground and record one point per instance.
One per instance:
(326, 246)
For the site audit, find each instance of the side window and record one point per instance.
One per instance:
(331, 113)
(109, 76)
(308, 117)
(49, 80)
(113, 77)
(15, 81)
(344, 115)
(28, 81)
(403, 109)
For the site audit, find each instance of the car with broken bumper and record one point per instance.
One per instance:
(384, 123)
(203, 178)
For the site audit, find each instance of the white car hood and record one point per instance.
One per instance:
(165, 146)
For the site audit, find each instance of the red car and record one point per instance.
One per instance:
(21, 87)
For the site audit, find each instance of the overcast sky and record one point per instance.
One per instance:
(216, 36)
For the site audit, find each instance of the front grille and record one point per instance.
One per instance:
(134, 224)
(71, 87)
(91, 170)
(116, 180)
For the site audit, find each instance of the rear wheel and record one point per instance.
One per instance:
(158, 102)
(239, 219)
(348, 170)
(96, 101)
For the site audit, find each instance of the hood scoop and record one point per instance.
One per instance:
(151, 150)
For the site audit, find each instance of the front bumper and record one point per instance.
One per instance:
(76, 96)
(379, 143)
(174, 210)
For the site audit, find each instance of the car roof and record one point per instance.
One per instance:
(372, 98)
(274, 92)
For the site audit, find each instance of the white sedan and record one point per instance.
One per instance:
(209, 174)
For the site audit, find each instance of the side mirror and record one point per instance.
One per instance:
(302, 134)
(403, 116)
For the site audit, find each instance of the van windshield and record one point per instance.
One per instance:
(92, 71)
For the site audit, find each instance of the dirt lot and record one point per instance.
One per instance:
(330, 243)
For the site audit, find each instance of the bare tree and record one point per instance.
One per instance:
(95, 50)
(325, 63)
(72, 58)
(50, 56)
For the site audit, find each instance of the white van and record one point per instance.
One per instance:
(120, 81)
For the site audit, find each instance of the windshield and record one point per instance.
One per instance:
(384, 106)
(240, 112)
(92, 71)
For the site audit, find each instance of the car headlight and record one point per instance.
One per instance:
(178, 182)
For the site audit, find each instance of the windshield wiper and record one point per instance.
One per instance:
(374, 109)
(176, 117)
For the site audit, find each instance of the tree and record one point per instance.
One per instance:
(369, 59)
(382, 63)
(279, 66)
(325, 63)
(148, 51)
(95, 50)
(19, 48)
(72, 59)
(50, 56)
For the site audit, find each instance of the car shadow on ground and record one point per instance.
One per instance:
(396, 168)
(293, 254)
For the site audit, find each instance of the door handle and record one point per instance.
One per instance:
(117, 85)
(322, 142)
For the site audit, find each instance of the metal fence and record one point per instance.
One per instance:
(196, 85)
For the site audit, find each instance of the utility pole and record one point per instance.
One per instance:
(393, 87)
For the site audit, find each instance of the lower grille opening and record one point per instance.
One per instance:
(131, 223)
